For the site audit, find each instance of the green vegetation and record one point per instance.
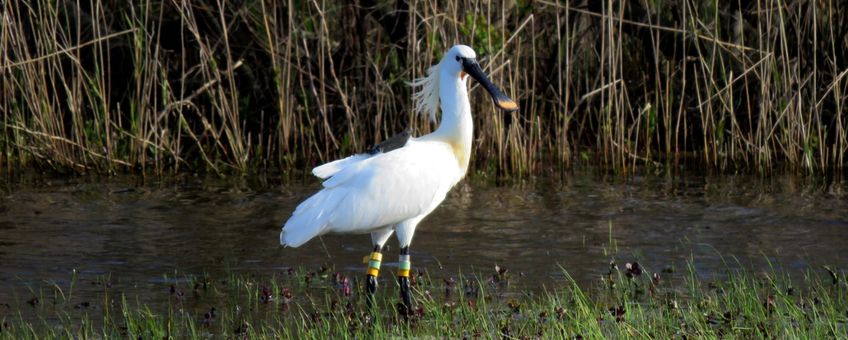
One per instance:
(231, 86)
(628, 301)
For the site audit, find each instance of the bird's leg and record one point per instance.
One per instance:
(404, 265)
(371, 274)
(404, 231)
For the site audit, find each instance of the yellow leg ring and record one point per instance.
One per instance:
(374, 256)
(374, 263)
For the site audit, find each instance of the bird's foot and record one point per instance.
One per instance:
(404, 307)
(370, 290)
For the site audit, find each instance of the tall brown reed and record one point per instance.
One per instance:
(223, 86)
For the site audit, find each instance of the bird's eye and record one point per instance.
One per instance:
(457, 58)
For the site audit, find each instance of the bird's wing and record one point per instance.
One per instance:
(392, 187)
(327, 170)
(395, 142)
(382, 190)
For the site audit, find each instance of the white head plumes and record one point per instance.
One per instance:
(426, 98)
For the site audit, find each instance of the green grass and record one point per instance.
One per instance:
(627, 301)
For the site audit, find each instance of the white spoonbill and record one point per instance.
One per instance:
(392, 188)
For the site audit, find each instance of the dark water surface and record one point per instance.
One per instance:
(139, 233)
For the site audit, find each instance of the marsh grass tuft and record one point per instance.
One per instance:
(626, 302)
(168, 86)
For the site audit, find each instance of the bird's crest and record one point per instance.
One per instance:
(427, 96)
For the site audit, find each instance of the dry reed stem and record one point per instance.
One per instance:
(288, 85)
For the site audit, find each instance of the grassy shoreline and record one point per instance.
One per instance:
(629, 301)
(227, 87)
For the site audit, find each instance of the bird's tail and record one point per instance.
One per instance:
(311, 218)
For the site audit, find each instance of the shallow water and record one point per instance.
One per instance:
(141, 233)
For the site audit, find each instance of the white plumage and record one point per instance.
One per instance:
(365, 195)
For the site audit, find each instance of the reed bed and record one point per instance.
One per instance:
(628, 301)
(235, 86)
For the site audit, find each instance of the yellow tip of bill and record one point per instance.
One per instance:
(507, 104)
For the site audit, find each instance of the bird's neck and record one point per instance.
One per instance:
(456, 127)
